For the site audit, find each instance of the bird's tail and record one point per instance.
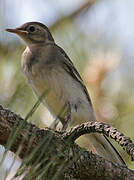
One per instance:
(104, 148)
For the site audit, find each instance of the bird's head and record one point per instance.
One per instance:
(33, 33)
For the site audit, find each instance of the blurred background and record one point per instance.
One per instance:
(97, 35)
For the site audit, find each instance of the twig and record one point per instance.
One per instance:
(99, 127)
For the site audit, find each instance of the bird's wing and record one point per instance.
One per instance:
(70, 69)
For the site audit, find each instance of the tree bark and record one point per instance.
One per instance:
(53, 153)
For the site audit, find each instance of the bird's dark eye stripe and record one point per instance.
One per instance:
(31, 28)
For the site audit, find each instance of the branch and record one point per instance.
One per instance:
(56, 157)
(61, 20)
(100, 127)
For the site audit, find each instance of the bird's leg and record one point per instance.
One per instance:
(67, 117)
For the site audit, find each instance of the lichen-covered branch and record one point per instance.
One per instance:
(50, 156)
(100, 127)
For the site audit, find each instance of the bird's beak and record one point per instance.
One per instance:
(17, 31)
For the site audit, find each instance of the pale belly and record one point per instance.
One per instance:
(56, 102)
(61, 90)
(53, 100)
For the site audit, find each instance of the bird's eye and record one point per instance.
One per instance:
(31, 29)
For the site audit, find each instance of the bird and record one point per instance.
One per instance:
(47, 67)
